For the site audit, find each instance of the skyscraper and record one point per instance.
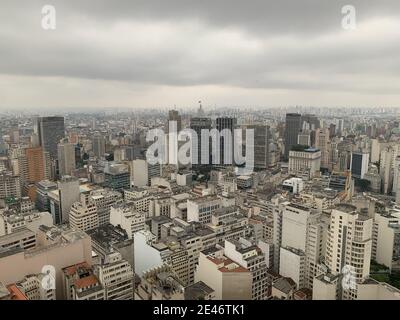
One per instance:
(310, 122)
(175, 124)
(35, 165)
(349, 243)
(61, 199)
(32, 169)
(387, 168)
(50, 131)
(322, 143)
(173, 115)
(66, 158)
(302, 233)
(332, 130)
(359, 164)
(261, 152)
(340, 126)
(293, 127)
(98, 145)
(198, 124)
(222, 124)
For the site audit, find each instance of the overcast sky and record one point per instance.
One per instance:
(163, 53)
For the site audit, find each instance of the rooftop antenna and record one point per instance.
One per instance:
(200, 111)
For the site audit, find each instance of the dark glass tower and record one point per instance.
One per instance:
(50, 131)
(197, 124)
(230, 124)
(293, 127)
(261, 146)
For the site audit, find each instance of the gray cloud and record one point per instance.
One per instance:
(127, 51)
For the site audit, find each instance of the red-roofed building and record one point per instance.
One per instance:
(80, 283)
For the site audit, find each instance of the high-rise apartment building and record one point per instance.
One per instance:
(349, 243)
(32, 166)
(302, 244)
(35, 165)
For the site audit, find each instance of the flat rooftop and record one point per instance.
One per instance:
(107, 235)
(197, 291)
(346, 207)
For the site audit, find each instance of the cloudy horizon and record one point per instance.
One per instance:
(174, 52)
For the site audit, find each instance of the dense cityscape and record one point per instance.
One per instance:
(187, 159)
(85, 216)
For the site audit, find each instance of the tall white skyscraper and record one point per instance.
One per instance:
(303, 232)
(349, 244)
